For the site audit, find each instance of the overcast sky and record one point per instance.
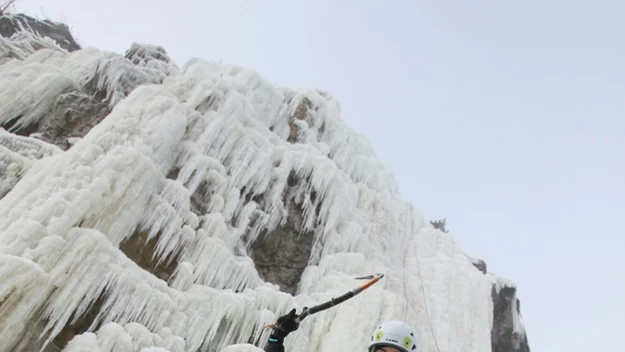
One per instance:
(505, 117)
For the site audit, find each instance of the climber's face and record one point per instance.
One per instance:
(384, 349)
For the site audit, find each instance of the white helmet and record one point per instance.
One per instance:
(396, 334)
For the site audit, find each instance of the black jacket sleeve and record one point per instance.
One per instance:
(284, 326)
(274, 345)
(276, 341)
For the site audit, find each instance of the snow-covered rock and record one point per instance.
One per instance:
(59, 32)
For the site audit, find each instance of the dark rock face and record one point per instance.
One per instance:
(74, 114)
(479, 264)
(506, 307)
(282, 255)
(10, 24)
(301, 112)
(140, 248)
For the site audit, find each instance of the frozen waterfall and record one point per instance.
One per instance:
(203, 162)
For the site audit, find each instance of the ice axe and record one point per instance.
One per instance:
(372, 279)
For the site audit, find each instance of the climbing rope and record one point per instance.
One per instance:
(404, 277)
(425, 303)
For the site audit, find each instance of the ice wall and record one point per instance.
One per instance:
(199, 162)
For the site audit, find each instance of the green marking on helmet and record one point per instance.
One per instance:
(378, 335)
(407, 342)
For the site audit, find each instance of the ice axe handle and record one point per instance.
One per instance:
(334, 301)
(304, 314)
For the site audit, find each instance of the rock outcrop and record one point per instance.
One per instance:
(59, 32)
(506, 334)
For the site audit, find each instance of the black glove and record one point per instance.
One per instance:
(285, 325)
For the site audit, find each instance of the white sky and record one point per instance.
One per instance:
(508, 118)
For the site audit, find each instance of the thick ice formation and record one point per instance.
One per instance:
(16, 156)
(225, 136)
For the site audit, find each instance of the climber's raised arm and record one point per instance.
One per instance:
(284, 326)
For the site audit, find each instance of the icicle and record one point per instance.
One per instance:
(110, 72)
(216, 266)
(32, 90)
(23, 44)
(176, 195)
(231, 201)
(23, 290)
(182, 278)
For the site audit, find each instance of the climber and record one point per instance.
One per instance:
(391, 336)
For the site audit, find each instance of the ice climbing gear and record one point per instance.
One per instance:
(394, 333)
(331, 303)
(288, 323)
(334, 301)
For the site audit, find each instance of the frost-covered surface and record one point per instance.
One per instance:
(131, 337)
(16, 156)
(23, 44)
(202, 159)
(19, 23)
